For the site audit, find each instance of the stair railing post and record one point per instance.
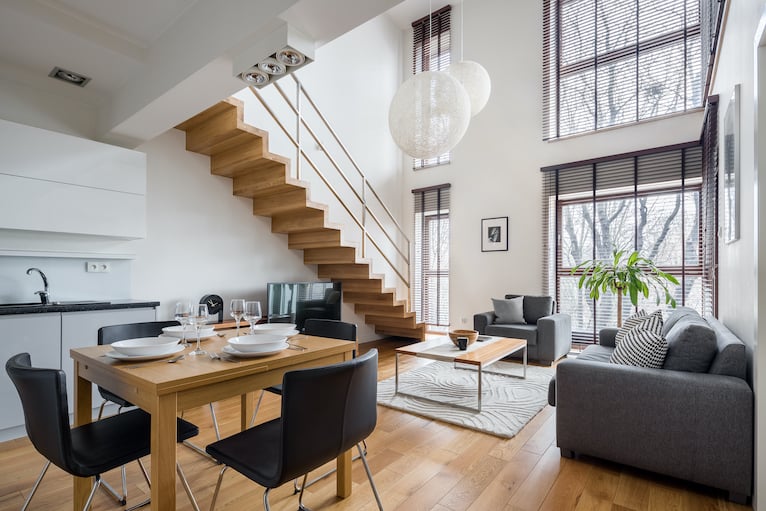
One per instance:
(364, 216)
(298, 129)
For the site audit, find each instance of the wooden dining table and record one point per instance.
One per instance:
(165, 389)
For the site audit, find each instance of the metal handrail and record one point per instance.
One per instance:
(366, 236)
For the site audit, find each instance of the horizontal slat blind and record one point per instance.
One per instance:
(431, 258)
(611, 62)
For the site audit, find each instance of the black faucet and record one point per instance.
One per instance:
(44, 298)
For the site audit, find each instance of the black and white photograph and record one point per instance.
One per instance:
(494, 234)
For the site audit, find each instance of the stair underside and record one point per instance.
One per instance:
(241, 152)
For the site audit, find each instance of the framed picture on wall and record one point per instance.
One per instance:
(494, 234)
(731, 168)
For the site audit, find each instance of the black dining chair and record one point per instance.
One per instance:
(325, 412)
(88, 450)
(114, 333)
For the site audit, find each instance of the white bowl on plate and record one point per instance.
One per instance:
(177, 331)
(145, 346)
(274, 328)
(255, 343)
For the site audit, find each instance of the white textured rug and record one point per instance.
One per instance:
(507, 403)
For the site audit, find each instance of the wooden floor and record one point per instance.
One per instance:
(418, 464)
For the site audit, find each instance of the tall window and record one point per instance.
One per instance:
(612, 62)
(431, 279)
(431, 51)
(656, 202)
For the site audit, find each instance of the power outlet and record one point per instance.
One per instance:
(98, 267)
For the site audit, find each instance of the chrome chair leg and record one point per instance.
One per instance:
(101, 409)
(34, 486)
(121, 499)
(257, 406)
(215, 422)
(218, 487)
(369, 476)
(301, 507)
(266, 500)
(199, 450)
(88, 502)
(297, 488)
(184, 483)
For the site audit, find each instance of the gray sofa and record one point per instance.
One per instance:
(696, 426)
(548, 335)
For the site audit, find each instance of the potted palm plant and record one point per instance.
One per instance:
(626, 274)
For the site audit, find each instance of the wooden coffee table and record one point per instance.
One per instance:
(479, 354)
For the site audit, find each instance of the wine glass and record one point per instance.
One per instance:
(252, 314)
(237, 308)
(182, 313)
(198, 318)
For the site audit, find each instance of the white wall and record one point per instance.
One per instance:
(495, 170)
(742, 262)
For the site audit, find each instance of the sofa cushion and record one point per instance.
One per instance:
(675, 315)
(535, 307)
(596, 353)
(641, 348)
(692, 345)
(731, 359)
(518, 331)
(509, 311)
(651, 322)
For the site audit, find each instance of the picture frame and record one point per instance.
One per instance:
(494, 234)
(731, 171)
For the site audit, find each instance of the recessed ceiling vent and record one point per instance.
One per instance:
(69, 76)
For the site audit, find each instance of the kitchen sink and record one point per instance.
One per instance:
(55, 303)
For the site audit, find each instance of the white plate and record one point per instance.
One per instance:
(261, 342)
(119, 356)
(271, 328)
(177, 331)
(145, 346)
(231, 351)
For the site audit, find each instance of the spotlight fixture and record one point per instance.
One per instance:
(278, 54)
(69, 76)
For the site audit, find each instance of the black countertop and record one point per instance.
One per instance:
(75, 306)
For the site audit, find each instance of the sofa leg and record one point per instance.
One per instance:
(738, 498)
(566, 453)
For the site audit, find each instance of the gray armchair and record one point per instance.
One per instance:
(548, 334)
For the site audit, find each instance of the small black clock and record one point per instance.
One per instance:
(214, 305)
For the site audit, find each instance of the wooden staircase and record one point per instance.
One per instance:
(241, 152)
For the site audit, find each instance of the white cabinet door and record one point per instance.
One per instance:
(36, 334)
(80, 329)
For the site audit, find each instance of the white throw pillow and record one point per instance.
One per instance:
(641, 348)
(651, 322)
(509, 311)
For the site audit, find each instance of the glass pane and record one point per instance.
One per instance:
(692, 229)
(576, 234)
(661, 81)
(659, 233)
(576, 302)
(577, 31)
(577, 103)
(616, 24)
(614, 226)
(658, 17)
(617, 92)
(695, 73)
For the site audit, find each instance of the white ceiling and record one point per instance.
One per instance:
(138, 53)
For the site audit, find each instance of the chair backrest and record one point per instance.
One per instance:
(330, 328)
(326, 411)
(114, 333)
(44, 400)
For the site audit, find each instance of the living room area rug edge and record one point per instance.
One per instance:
(508, 403)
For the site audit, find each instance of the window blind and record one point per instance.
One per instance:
(710, 209)
(431, 258)
(611, 62)
(656, 201)
(431, 51)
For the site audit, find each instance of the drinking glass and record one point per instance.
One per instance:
(182, 313)
(237, 308)
(252, 314)
(198, 318)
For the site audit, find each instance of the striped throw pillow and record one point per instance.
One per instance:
(651, 322)
(641, 348)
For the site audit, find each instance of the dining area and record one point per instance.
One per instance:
(323, 397)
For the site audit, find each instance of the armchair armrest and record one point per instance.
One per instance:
(694, 426)
(482, 320)
(554, 337)
(607, 335)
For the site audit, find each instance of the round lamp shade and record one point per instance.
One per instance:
(429, 114)
(475, 79)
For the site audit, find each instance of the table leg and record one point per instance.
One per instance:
(396, 374)
(478, 375)
(163, 450)
(82, 415)
(343, 475)
(246, 409)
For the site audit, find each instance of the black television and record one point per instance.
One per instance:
(295, 302)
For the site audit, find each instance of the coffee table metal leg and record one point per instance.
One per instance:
(525, 362)
(396, 375)
(479, 379)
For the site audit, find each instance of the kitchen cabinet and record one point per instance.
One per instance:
(58, 183)
(80, 329)
(36, 334)
(48, 337)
